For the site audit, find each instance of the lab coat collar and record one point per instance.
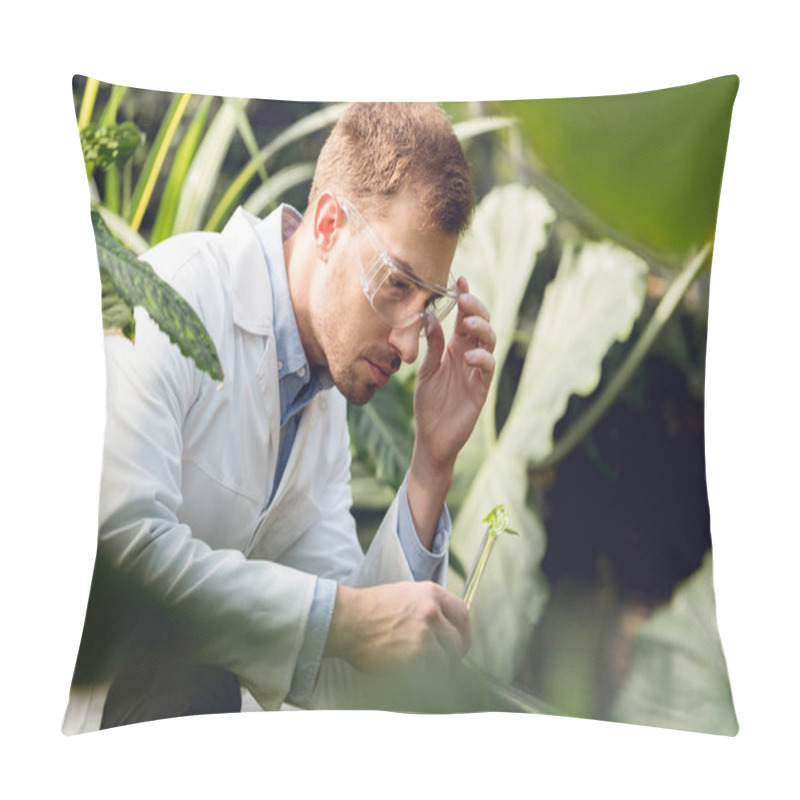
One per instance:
(251, 289)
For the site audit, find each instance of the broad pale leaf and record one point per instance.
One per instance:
(497, 257)
(593, 302)
(679, 678)
(137, 284)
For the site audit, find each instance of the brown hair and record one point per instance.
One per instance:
(376, 150)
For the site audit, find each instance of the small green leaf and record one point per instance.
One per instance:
(109, 145)
(497, 522)
(137, 284)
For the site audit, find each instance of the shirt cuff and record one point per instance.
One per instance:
(425, 565)
(317, 627)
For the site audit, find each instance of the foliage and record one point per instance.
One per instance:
(382, 432)
(109, 145)
(679, 678)
(129, 281)
(648, 165)
(561, 249)
(607, 284)
(192, 156)
(618, 214)
(497, 522)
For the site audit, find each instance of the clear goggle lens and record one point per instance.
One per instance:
(397, 296)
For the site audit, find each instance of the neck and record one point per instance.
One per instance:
(299, 255)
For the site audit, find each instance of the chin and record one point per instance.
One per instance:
(360, 396)
(356, 392)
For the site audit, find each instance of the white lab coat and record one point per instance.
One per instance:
(189, 466)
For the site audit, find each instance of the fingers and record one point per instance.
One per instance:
(483, 361)
(480, 329)
(456, 613)
(436, 343)
(473, 318)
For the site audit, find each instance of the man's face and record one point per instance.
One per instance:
(361, 349)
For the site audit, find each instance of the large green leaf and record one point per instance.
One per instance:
(137, 284)
(649, 165)
(679, 678)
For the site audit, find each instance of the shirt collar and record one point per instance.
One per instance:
(272, 233)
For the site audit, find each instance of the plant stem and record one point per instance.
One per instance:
(662, 314)
(87, 102)
(471, 586)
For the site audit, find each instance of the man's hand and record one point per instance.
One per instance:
(452, 386)
(397, 627)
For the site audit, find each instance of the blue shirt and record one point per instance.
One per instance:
(298, 384)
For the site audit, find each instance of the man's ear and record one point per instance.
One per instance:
(328, 218)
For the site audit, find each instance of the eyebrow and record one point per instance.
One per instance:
(430, 294)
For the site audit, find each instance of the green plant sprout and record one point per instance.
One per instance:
(497, 522)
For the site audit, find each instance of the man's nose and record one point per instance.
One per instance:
(406, 341)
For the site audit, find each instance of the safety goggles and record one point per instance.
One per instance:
(398, 296)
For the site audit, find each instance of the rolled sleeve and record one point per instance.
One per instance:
(425, 565)
(317, 627)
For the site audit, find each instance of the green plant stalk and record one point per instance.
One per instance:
(155, 159)
(497, 523)
(112, 190)
(109, 115)
(111, 193)
(663, 313)
(127, 184)
(159, 161)
(478, 568)
(168, 208)
(303, 127)
(249, 138)
(87, 103)
(85, 112)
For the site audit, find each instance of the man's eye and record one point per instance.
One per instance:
(400, 285)
(432, 302)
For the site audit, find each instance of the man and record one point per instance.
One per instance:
(227, 507)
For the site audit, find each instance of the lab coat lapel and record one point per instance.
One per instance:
(252, 311)
(294, 509)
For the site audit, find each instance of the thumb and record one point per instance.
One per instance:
(433, 357)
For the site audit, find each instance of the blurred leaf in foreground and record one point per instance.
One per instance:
(679, 678)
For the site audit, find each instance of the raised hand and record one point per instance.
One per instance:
(452, 386)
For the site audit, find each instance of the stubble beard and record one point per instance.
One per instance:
(343, 367)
